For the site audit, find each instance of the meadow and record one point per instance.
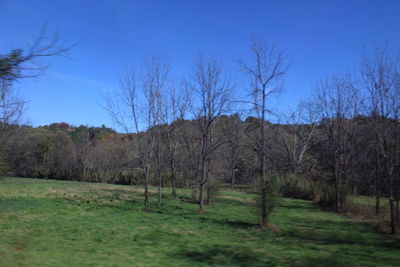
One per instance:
(63, 223)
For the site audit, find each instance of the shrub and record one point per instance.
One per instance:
(297, 186)
(325, 195)
(272, 187)
(3, 169)
(320, 192)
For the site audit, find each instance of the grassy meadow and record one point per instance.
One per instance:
(61, 223)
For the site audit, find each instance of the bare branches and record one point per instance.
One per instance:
(337, 97)
(266, 72)
(213, 90)
(137, 107)
(380, 76)
(11, 106)
(19, 64)
(212, 87)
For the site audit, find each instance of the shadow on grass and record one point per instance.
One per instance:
(334, 260)
(16, 204)
(337, 233)
(234, 224)
(225, 255)
(297, 204)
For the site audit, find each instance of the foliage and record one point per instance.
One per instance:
(9, 64)
(325, 194)
(297, 186)
(272, 187)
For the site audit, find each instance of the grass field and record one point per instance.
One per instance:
(362, 208)
(57, 223)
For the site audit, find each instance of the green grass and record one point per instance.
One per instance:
(362, 208)
(368, 201)
(57, 223)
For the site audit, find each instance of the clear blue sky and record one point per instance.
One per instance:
(320, 37)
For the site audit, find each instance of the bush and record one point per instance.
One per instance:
(320, 192)
(4, 167)
(296, 186)
(325, 195)
(272, 187)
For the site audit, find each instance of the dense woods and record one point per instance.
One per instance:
(343, 140)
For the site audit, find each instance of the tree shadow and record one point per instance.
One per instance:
(225, 255)
(234, 224)
(327, 232)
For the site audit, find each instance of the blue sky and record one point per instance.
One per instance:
(320, 37)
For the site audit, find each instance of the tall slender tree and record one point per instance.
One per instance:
(266, 71)
(213, 90)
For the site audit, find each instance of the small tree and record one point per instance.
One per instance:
(173, 113)
(213, 90)
(135, 107)
(266, 72)
(381, 77)
(337, 102)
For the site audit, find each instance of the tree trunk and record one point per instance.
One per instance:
(159, 195)
(264, 208)
(389, 172)
(377, 180)
(146, 192)
(397, 210)
(338, 201)
(233, 172)
(264, 211)
(201, 198)
(208, 199)
(173, 183)
(392, 216)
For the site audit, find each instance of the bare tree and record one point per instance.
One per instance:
(135, 107)
(191, 142)
(380, 76)
(301, 127)
(11, 106)
(337, 103)
(232, 129)
(266, 72)
(172, 115)
(11, 110)
(213, 90)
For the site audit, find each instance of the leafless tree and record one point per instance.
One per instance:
(135, 107)
(213, 90)
(172, 115)
(266, 72)
(301, 126)
(11, 105)
(380, 76)
(337, 103)
(233, 130)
